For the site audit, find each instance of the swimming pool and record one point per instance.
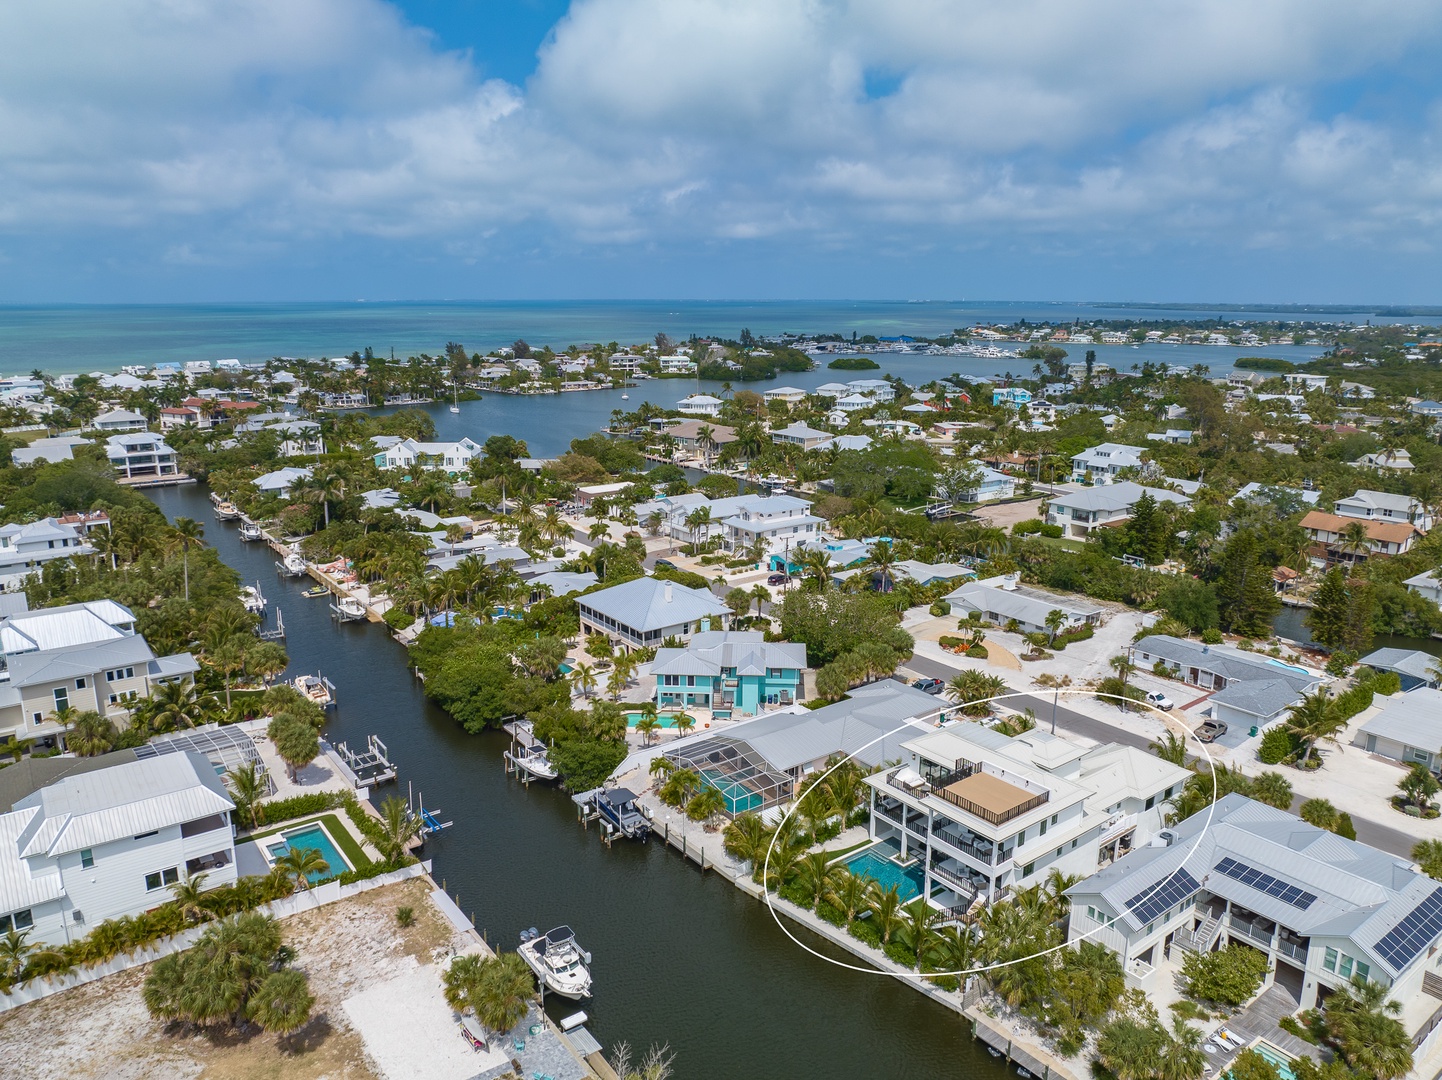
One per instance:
(874, 864)
(1277, 1060)
(666, 720)
(313, 837)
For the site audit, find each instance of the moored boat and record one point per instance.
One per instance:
(348, 609)
(253, 599)
(293, 565)
(226, 511)
(315, 688)
(558, 961)
(250, 531)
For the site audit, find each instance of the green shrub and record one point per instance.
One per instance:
(405, 916)
(301, 805)
(899, 953)
(375, 869)
(1076, 633)
(398, 618)
(1277, 746)
(793, 891)
(1053, 532)
(977, 652)
(1027, 527)
(940, 608)
(831, 913)
(368, 826)
(863, 930)
(1211, 637)
(1228, 976)
(949, 642)
(1345, 829)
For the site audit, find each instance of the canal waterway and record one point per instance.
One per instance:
(1290, 623)
(679, 957)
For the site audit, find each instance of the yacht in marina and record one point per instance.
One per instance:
(558, 961)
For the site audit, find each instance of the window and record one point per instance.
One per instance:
(1344, 969)
(39, 718)
(1043, 829)
(16, 920)
(1363, 970)
(87, 858)
(161, 878)
(1027, 869)
(1151, 802)
(1329, 959)
(62, 698)
(80, 684)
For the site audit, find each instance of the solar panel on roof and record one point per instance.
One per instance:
(1158, 897)
(1414, 933)
(1284, 891)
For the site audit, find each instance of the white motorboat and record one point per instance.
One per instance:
(558, 961)
(315, 688)
(253, 599)
(534, 760)
(251, 531)
(293, 566)
(226, 511)
(625, 397)
(348, 609)
(455, 400)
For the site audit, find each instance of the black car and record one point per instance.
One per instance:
(665, 564)
(929, 686)
(777, 579)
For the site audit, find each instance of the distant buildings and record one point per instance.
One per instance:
(25, 548)
(700, 405)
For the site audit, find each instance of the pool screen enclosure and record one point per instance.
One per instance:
(744, 778)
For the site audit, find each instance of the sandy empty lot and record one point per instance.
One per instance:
(103, 1029)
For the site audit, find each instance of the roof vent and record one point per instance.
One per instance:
(668, 592)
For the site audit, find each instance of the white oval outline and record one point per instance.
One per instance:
(922, 976)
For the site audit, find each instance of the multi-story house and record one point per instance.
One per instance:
(119, 420)
(451, 457)
(1323, 910)
(1383, 538)
(737, 672)
(1015, 396)
(878, 390)
(1101, 464)
(80, 656)
(23, 548)
(800, 434)
(775, 522)
(139, 455)
(111, 842)
(298, 438)
(979, 814)
(1385, 506)
(700, 405)
(1079, 512)
(787, 395)
(646, 611)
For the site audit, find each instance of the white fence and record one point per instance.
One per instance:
(305, 900)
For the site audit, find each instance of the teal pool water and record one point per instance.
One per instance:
(909, 880)
(1278, 1060)
(667, 720)
(316, 838)
(739, 798)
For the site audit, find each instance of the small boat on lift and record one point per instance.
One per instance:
(253, 599)
(293, 566)
(558, 961)
(315, 688)
(348, 609)
(226, 511)
(317, 591)
(618, 810)
(529, 755)
(250, 531)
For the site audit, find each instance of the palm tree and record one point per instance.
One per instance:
(699, 522)
(1353, 539)
(1055, 620)
(398, 828)
(187, 897)
(680, 785)
(973, 691)
(187, 533)
(746, 838)
(298, 864)
(1362, 1019)
(1171, 748)
(918, 931)
(247, 787)
(498, 989)
(15, 950)
(176, 704)
(886, 909)
(1184, 1059)
(648, 725)
(1313, 719)
(849, 892)
(1274, 789)
(814, 875)
(1123, 666)
(682, 722)
(90, 734)
(282, 1003)
(1427, 854)
(815, 565)
(883, 558)
(583, 678)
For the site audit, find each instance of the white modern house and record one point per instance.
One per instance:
(140, 455)
(1426, 585)
(700, 405)
(1002, 600)
(111, 842)
(119, 420)
(298, 438)
(1408, 729)
(1322, 909)
(802, 435)
(1101, 464)
(1371, 505)
(452, 457)
(981, 814)
(84, 656)
(24, 548)
(646, 611)
(1398, 461)
(1079, 512)
(774, 522)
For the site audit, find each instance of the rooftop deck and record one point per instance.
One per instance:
(990, 797)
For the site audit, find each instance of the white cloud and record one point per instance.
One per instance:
(258, 124)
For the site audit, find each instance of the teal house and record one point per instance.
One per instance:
(735, 672)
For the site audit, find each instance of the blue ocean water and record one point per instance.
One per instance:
(69, 338)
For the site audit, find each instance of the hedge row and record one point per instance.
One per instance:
(301, 805)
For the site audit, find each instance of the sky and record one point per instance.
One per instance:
(1269, 151)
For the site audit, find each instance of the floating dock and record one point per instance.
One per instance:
(368, 767)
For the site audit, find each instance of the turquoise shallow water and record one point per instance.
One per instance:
(104, 337)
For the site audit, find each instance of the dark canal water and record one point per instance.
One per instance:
(1290, 623)
(678, 958)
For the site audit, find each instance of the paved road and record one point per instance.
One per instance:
(1385, 837)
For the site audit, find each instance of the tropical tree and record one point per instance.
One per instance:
(706, 805)
(1362, 1019)
(886, 909)
(90, 734)
(883, 558)
(247, 787)
(15, 950)
(282, 1003)
(849, 893)
(919, 929)
(1274, 789)
(682, 722)
(583, 678)
(212, 982)
(747, 837)
(1171, 747)
(1419, 786)
(398, 827)
(298, 864)
(815, 565)
(1314, 718)
(1123, 666)
(497, 989)
(814, 875)
(648, 725)
(188, 896)
(186, 534)
(1427, 854)
(295, 740)
(973, 691)
(177, 704)
(1055, 620)
(1353, 540)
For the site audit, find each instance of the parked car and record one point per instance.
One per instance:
(777, 579)
(1211, 730)
(1160, 701)
(665, 564)
(929, 686)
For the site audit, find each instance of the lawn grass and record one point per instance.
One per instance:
(353, 852)
(841, 853)
(1063, 543)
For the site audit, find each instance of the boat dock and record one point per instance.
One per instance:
(368, 767)
(431, 822)
(278, 634)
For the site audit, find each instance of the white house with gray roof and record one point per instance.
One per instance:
(1321, 908)
(1101, 464)
(119, 420)
(1412, 666)
(802, 435)
(646, 611)
(1247, 689)
(986, 814)
(25, 548)
(138, 454)
(1079, 512)
(1369, 505)
(1408, 729)
(1001, 600)
(1426, 585)
(110, 843)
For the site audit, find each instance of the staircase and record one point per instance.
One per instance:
(1432, 984)
(1202, 939)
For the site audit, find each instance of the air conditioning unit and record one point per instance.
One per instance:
(78, 915)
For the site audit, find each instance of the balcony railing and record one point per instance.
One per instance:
(996, 817)
(1250, 930)
(982, 852)
(1295, 949)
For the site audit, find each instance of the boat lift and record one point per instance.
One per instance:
(369, 766)
(431, 823)
(278, 634)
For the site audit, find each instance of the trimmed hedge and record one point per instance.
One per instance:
(301, 805)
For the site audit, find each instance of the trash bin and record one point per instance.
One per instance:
(1253, 732)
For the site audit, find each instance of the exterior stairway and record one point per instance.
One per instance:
(1202, 939)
